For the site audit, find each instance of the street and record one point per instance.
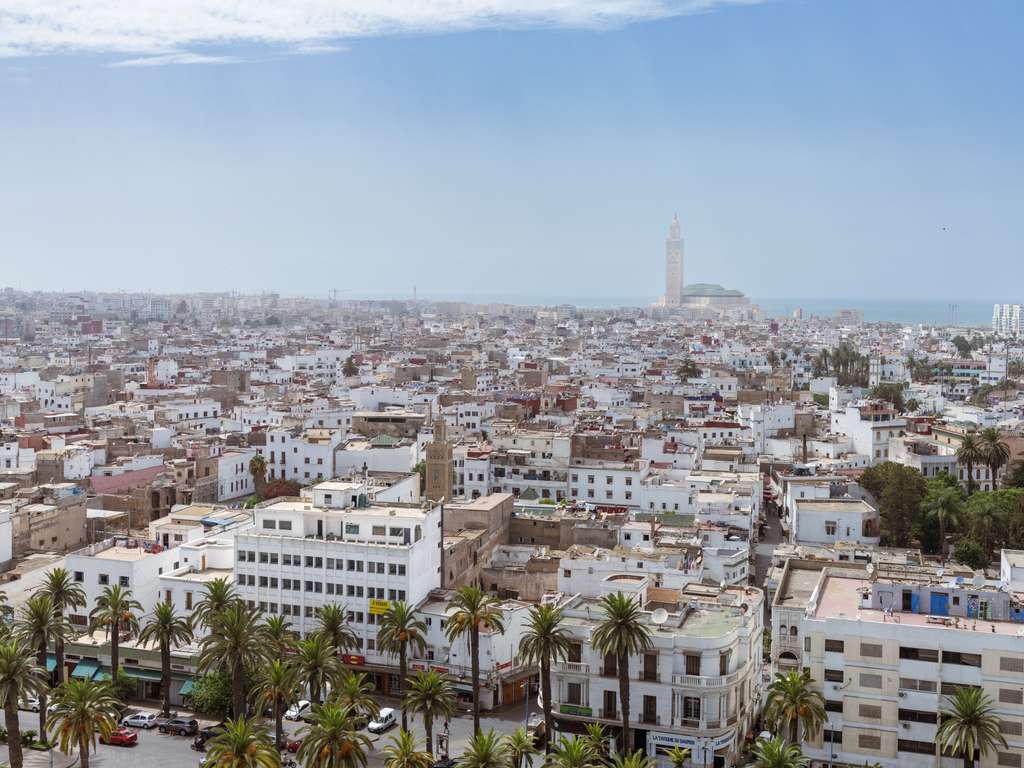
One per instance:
(157, 750)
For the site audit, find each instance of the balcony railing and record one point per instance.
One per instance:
(700, 681)
(609, 672)
(650, 677)
(650, 718)
(609, 714)
(689, 722)
(573, 667)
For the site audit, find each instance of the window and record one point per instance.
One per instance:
(834, 646)
(692, 664)
(1007, 664)
(872, 711)
(916, 747)
(574, 693)
(1008, 728)
(379, 530)
(79, 576)
(871, 650)
(188, 601)
(1008, 759)
(122, 581)
(834, 676)
(833, 706)
(869, 741)
(830, 527)
(833, 737)
(691, 707)
(964, 659)
(285, 525)
(918, 716)
(868, 680)
(919, 654)
(352, 528)
(269, 524)
(104, 578)
(264, 557)
(1011, 696)
(273, 558)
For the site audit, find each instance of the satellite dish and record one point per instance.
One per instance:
(659, 617)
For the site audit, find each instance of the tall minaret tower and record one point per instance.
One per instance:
(440, 466)
(674, 265)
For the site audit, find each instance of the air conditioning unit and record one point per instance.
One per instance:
(902, 694)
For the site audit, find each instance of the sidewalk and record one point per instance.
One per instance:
(35, 758)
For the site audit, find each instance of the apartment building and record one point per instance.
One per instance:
(304, 554)
(699, 685)
(886, 644)
(870, 425)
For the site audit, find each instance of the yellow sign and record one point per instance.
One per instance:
(379, 607)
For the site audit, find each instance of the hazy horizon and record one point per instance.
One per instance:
(866, 149)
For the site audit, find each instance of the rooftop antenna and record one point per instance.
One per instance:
(659, 617)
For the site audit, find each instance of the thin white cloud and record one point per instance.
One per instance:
(176, 58)
(314, 48)
(150, 28)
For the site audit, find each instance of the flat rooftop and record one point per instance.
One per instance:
(124, 554)
(796, 590)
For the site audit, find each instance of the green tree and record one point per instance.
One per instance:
(484, 751)
(1014, 477)
(115, 611)
(597, 740)
(891, 393)
(217, 596)
(519, 748)
(236, 640)
(211, 694)
(277, 686)
(970, 553)
(330, 739)
(404, 752)
(20, 678)
(544, 642)
(677, 756)
(258, 470)
(355, 691)
(332, 625)
(280, 636)
(637, 759)
(350, 368)
(399, 632)
(970, 453)
(963, 347)
(472, 609)
(898, 490)
(85, 709)
(242, 743)
(793, 703)
(942, 505)
(39, 625)
(431, 695)
(621, 633)
(968, 724)
(986, 522)
(317, 664)
(166, 628)
(776, 753)
(995, 451)
(575, 752)
(65, 594)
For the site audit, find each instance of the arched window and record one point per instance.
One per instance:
(792, 631)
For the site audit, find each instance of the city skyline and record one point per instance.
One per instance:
(548, 149)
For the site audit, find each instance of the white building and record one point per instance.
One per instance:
(870, 425)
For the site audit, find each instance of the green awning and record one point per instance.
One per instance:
(86, 669)
(186, 689)
(103, 675)
(51, 662)
(143, 674)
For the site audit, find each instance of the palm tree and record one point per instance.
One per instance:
(330, 739)
(258, 470)
(545, 641)
(402, 752)
(64, 593)
(115, 611)
(333, 626)
(677, 756)
(576, 752)
(970, 453)
(218, 595)
(277, 686)
(38, 624)
(622, 633)
(355, 691)
(519, 748)
(84, 710)
(20, 677)
(637, 759)
(792, 702)
(986, 523)
(995, 450)
(280, 636)
(484, 751)
(166, 628)
(968, 724)
(399, 632)
(776, 753)
(430, 694)
(242, 743)
(472, 608)
(596, 737)
(235, 641)
(944, 504)
(317, 665)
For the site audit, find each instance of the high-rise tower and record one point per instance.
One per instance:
(674, 265)
(440, 466)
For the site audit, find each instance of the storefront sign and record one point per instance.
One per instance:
(505, 665)
(353, 660)
(379, 607)
(569, 709)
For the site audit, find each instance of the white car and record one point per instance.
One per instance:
(145, 720)
(386, 719)
(31, 704)
(297, 710)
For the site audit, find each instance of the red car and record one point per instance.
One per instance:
(121, 737)
(294, 744)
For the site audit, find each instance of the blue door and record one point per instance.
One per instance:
(939, 604)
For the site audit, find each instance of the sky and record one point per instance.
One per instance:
(518, 149)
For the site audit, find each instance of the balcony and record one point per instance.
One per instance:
(649, 677)
(609, 714)
(650, 718)
(700, 681)
(573, 667)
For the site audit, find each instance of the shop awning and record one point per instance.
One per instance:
(143, 674)
(463, 687)
(86, 669)
(51, 662)
(186, 689)
(103, 675)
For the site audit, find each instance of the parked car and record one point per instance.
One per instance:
(31, 704)
(384, 720)
(297, 710)
(145, 720)
(121, 737)
(294, 744)
(179, 726)
(205, 734)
